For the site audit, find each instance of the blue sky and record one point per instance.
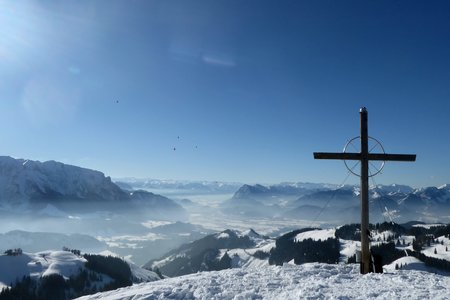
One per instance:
(244, 90)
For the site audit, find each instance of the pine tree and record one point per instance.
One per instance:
(158, 272)
(435, 251)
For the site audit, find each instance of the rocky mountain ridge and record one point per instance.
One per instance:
(27, 185)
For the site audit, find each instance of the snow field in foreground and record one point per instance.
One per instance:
(308, 281)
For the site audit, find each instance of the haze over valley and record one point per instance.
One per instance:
(143, 219)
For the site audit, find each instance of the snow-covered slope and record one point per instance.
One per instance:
(229, 248)
(308, 281)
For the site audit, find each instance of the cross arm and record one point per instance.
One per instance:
(371, 156)
(392, 157)
(338, 155)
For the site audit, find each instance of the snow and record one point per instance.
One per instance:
(348, 249)
(440, 249)
(316, 235)
(381, 236)
(159, 263)
(223, 235)
(38, 265)
(407, 263)
(63, 263)
(141, 274)
(243, 258)
(428, 226)
(308, 281)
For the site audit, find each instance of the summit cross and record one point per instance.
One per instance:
(365, 157)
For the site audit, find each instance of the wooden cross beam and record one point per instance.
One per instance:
(365, 157)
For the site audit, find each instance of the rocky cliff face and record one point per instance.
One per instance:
(27, 184)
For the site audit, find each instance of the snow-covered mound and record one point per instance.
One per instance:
(308, 281)
(64, 263)
(39, 264)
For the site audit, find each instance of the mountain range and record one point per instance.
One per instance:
(54, 189)
(400, 203)
(210, 187)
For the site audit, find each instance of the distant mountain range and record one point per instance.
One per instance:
(398, 202)
(54, 188)
(210, 187)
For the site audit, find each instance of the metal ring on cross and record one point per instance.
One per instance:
(375, 146)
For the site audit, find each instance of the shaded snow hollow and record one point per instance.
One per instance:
(307, 281)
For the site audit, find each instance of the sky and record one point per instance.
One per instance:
(240, 91)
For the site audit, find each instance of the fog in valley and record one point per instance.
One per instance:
(158, 216)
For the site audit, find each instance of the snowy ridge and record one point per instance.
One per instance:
(308, 281)
(229, 248)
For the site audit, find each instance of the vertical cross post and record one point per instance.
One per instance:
(365, 157)
(365, 251)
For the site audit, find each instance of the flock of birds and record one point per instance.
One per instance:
(178, 137)
(175, 148)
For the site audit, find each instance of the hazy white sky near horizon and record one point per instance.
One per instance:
(244, 91)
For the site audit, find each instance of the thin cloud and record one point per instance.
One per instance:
(218, 61)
